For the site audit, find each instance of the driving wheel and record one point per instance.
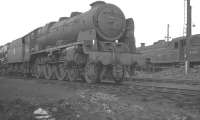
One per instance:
(37, 69)
(48, 71)
(72, 74)
(60, 72)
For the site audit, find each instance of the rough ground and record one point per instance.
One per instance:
(62, 100)
(172, 73)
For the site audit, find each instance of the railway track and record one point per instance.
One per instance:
(169, 87)
(161, 85)
(165, 90)
(187, 82)
(178, 94)
(181, 91)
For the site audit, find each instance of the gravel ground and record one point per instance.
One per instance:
(61, 100)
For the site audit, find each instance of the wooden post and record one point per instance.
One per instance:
(167, 37)
(188, 35)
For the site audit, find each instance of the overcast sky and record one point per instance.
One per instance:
(18, 17)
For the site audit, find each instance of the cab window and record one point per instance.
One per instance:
(176, 45)
(183, 43)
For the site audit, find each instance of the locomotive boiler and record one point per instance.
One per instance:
(106, 19)
(92, 46)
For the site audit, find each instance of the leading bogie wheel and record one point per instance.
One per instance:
(118, 73)
(91, 72)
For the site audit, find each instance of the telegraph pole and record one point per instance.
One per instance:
(188, 35)
(167, 37)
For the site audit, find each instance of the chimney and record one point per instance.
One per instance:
(142, 44)
(75, 14)
(97, 4)
(63, 18)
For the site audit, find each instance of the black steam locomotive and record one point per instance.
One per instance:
(96, 45)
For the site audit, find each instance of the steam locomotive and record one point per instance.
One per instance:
(95, 45)
(171, 53)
